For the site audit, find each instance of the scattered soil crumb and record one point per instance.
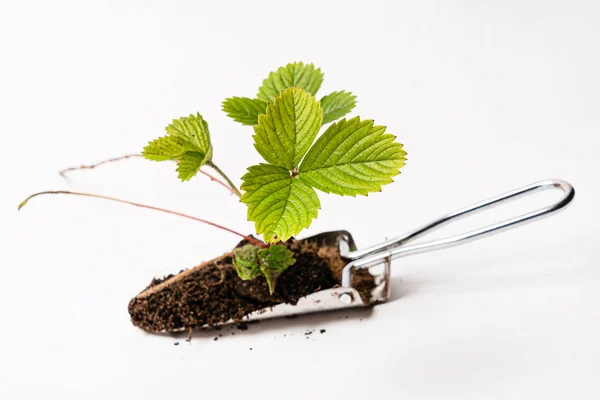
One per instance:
(250, 348)
(176, 344)
(308, 332)
(242, 326)
(216, 338)
(322, 331)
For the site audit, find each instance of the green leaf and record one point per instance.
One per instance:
(189, 164)
(289, 127)
(165, 148)
(251, 261)
(246, 261)
(336, 105)
(194, 130)
(244, 110)
(279, 205)
(298, 74)
(352, 157)
(273, 261)
(187, 141)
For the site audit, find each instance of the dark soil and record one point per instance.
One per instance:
(212, 292)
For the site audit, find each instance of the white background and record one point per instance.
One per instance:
(486, 96)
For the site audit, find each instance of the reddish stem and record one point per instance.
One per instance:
(92, 166)
(99, 196)
(126, 156)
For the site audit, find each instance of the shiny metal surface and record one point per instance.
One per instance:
(382, 254)
(396, 248)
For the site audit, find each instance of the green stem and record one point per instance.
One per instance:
(235, 189)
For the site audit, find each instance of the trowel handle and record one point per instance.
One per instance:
(397, 247)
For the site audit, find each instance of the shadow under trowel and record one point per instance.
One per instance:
(302, 322)
(401, 287)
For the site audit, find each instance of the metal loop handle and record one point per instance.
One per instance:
(396, 247)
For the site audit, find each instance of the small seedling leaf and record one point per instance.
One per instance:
(246, 261)
(273, 261)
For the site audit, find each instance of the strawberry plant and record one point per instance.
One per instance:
(351, 157)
